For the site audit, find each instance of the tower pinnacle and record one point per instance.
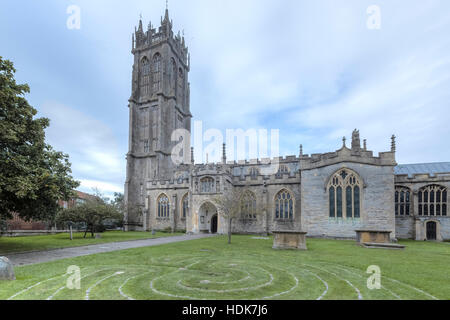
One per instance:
(393, 144)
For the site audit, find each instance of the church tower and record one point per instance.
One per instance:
(159, 105)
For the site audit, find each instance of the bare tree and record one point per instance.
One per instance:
(230, 204)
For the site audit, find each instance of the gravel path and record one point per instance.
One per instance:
(22, 259)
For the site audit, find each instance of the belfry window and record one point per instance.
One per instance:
(145, 76)
(402, 201)
(284, 205)
(156, 73)
(433, 201)
(180, 85)
(344, 195)
(248, 205)
(173, 78)
(163, 206)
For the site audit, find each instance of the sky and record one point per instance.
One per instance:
(315, 70)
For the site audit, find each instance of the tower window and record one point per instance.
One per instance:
(156, 73)
(173, 78)
(180, 85)
(145, 76)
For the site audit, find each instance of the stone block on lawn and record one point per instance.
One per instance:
(6, 269)
(284, 240)
(373, 236)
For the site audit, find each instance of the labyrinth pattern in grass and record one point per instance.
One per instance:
(197, 278)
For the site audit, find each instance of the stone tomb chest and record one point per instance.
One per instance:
(373, 236)
(376, 239)
(295, 240)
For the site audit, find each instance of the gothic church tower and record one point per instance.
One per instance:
(159, 104)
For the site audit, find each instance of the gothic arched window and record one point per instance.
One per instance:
(173, 78)
(248, 205)
(402, 201)
(185, 206)
(145, 76)
(284, 205)
(433, 201)
(344, 195)
(157, 72)
(180, 85)
(163, 206)
(207, 185)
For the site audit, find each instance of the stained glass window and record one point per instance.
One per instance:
(284, 205)
(433, 201)
(344, 205)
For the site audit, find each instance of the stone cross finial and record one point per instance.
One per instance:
(365, 145)
(344, 139)
(393, 144)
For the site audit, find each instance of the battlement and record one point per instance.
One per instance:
(153, 36)
(168, 184)
(355, 154)
(347, 155)
(270, 179)
(210, 169)
(264, 161)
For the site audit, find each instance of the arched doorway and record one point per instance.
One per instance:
(208, 218)
(431, 231)
(214, 224)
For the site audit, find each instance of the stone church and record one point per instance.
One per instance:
(326, 195)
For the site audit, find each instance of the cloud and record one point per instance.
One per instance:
(96, 158)
(103, 186)
(309, 68)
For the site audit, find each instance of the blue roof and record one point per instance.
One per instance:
(422, 168)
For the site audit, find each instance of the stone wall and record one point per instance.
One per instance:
(413, 227)
(377, 201)
(405, 227)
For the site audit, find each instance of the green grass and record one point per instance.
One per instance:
(246, 269)
(10, 245)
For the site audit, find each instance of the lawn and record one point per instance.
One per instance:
(10, 245)
(247, 269)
